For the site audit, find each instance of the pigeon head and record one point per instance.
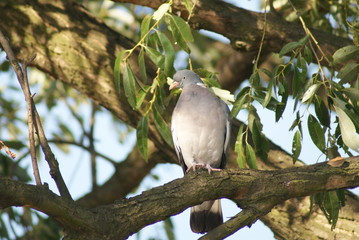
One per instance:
(184, 78)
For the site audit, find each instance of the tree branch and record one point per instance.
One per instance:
(244, 28)
(248, 188)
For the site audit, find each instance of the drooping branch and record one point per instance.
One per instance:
(248, 188)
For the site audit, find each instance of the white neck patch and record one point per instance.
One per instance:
(201, 85)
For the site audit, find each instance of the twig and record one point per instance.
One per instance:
(60, 141)
(244, 218)
(22, 78)
(51, 160)
(92, 148)
(36, 122)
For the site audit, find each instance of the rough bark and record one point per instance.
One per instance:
(76, 48)
(258, 189)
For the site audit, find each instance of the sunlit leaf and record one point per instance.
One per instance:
(296, 146)
(316, 133)
(160, 12)
(223, 94)
(347, 129)
(142, 129)
(310, 92)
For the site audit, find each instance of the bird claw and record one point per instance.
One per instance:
(207, 166)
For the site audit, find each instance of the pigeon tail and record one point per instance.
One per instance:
(206, 216)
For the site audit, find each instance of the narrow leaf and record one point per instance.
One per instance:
(316, 133)
(142, 129)
(142, 65)
(296, 146)
(129, 85)
(347, 129)
(117, 69)
(181, 32)
(169, 53)
(345, 53)
(239, 149)
(348, 73)
(310, 92)
(322, 111)
(155, 56)
(160, 12)
(251, 157)
(145, 25)
(240, 100)
(162, 126)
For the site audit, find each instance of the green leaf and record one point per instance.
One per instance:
(162, 126)
(129, 85)
(251, 157)
(268, 94)
(169, 53)
(260, 142)
(188, 4)
(280, 107)
(117, 69)
(307, 54)
(310, 92)
(316, 133)
(296, 146)
(141, 96)
(240, 100)
(239, 149)
(142, 65)
(352, 93)
(322, 111)
(348, 73)
(161, 11)
(345, 53)
(266, 72)
(292, 45)
(145, 25)
(254, 79)
(155, 56)
(142, 129)
(298, 80)
(181, 32)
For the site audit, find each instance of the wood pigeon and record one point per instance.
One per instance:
(200, 130)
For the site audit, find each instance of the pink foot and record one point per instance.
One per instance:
(207, 166)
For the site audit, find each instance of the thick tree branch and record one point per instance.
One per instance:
(248, 188)
(244, 28)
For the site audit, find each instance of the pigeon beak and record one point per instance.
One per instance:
(174, 85)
